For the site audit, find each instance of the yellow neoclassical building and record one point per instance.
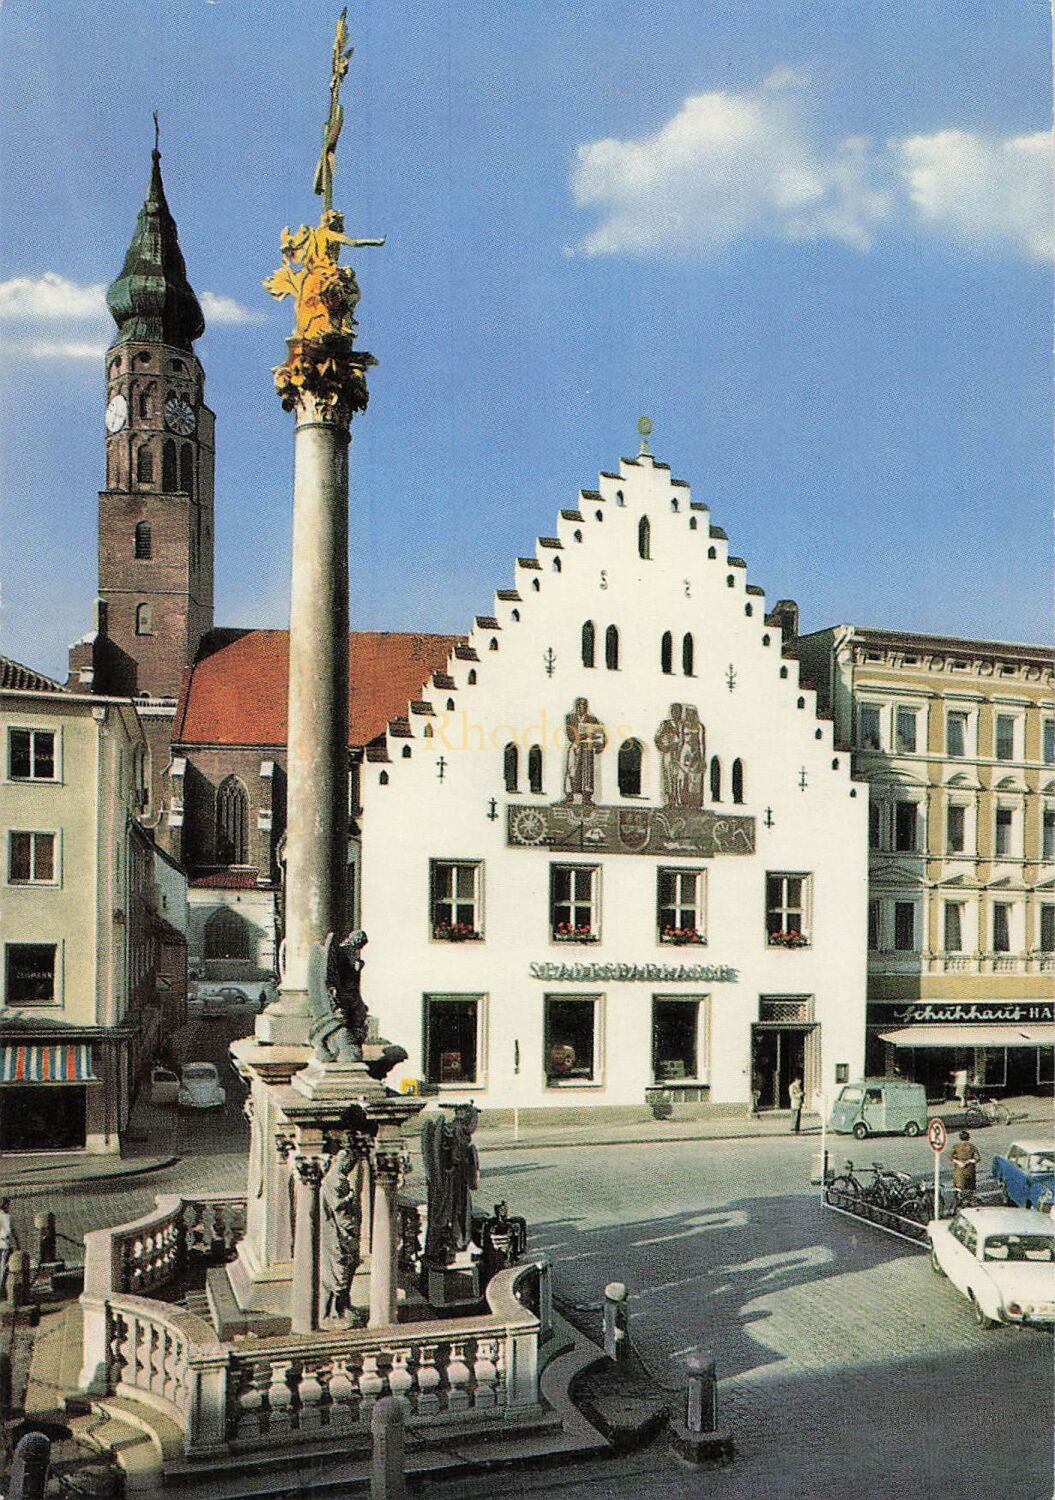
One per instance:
(956, 739)
(79, 930)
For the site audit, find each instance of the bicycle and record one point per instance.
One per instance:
(981, 1110)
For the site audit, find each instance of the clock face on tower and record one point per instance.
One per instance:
(116, 413)
(179, 416)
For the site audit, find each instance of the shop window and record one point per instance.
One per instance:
(168, 466)
(232, 823)
(575, 915)
(611, 648)
(956, 733)
(30, 858)
(143, 547)
(905, 926)
(511, 767)
(1003, 830)
(787, 910)
(1047, 929)
(534, 766)
(31, 974)
(868, 727)
(675, 1029)
(628, 768)
(905, 731)
(738, 781)
(452, 1038)
(990, 1067)
(31, 755)
(456, 900)
(571, 1040)
(589, 643)
(1001, 927)
(666, 653)
(1005, 736)
(873, 926)
(906, 826)
(680, 916)
(1047, 833)
(688, 653)
(228, 936)
(955, 828)
(953, 933)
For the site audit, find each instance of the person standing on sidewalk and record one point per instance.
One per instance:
(796, 1094)
(965, 1158)
(8, 1239)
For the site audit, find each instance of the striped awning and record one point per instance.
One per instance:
(39, 1063)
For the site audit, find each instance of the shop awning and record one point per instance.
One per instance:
(1040, 1035)
(41, 1063)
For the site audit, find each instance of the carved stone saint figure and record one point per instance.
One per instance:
(680, 741)
(586, 740)
(668, 743)
(340, 1212)
(334, 993)
(452, 1172)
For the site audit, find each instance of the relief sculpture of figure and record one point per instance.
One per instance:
(692, 757)
(668, 743)
(586, 740)
(334, 993)
(452, 1172)
(340, 1214)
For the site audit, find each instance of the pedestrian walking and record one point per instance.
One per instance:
(965, 1158)
(796, 1094)
(8, 1239)
(757, 1085)
(959, 1085)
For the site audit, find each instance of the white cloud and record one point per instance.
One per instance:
(220, 309)
(986, 191)
(729, 165)
(736, 165)
(65, 349)
(50, 296)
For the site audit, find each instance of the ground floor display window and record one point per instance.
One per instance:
(452, 1038)
(571, 1043)
(675, 1039)
(1046, 1065)
(30, 974)
(50, 1117)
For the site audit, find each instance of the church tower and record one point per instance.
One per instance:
(156, 511)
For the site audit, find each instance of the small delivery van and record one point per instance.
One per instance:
(879, 1106)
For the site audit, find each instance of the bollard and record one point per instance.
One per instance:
(29, 1472)
(44, 1224)
(388, 1478)
(698, 1438)
(820, 1168)
(616, 1321)
(18, 1278)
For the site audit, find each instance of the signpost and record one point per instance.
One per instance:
(938, 1138)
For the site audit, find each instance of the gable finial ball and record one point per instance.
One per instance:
(644, 427)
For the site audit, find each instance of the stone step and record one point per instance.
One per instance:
(116, 1441)
(230, 1320)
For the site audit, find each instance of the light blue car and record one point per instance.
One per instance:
(1027, 1173)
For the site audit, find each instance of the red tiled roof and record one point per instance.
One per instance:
(226, 880)
(236, 692)
(14, 675)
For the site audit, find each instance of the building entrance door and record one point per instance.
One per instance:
(779, 1054)
(48, 1118)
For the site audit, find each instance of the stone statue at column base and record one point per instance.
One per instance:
(340, 1023)
(452, 1172)
(340, 1225)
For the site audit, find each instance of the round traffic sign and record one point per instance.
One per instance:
(936, 1135)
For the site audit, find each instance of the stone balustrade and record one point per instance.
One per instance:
(152, 1252)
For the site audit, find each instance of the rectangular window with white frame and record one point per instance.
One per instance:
(1047, 833)
(572, 1040)
(1001, 927)
(1047, 742)
(952, 938)
(956, 724)
(32, 858)
(955, 828)
(575, 906)
(455, 1040)
(905, 736)
(869, 726)
(680, 914)
(677, 1040)
(32, 755)
(906, 826)
(789, 918)
(905, 927)
(1004, 737)
(1004, 839)
(31, 974)
(456, 900)
(1046, 928)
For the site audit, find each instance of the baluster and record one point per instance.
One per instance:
(486, 1373)
(280, 1398)
(156, 1357)
(218, 1243)
(309, 1394)
(458, 1376)
(343, 1393)
(170, 1385)
(127, 1266)
(429, 1379)
(500, 1372)
(371, 1385)
(118, 1360)
(249, 1401)
(400, 1376)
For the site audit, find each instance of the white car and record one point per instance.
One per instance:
(200, 1087)
(1002, 1260)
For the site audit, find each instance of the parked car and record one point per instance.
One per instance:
(1024, 1171)
(1001, 1259)
(164, 1085)
(879, 1106)
(200, 1087)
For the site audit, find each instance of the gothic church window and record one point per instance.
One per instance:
(144, 406)
(143, 545)
(611, 648)
(168, 466)
(687, 655)
(738, 781)
(228, 935)
(186, 469)
(232, 823)
(511, 767)
(589, 637)
(716, 779)
(534, 763)
(629, 768)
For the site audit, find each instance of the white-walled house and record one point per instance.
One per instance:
(613, 845)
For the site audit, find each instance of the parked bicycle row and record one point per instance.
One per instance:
(879, 1190)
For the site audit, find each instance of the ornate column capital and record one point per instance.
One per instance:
(311, 1169)
(391, 1166)
(284, 1144)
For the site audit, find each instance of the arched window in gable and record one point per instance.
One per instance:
(589, 642)
(511, 767)
(629, 768)
(687, 654)
(232, 823)
(716, 779)
(666, 653)
(168, 466)
(534, 767)
(738, 780)
(611, 648)
(186, 469)
(644, 538)
(143, 545)
(228, 935)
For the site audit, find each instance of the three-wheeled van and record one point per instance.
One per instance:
(879, 1106)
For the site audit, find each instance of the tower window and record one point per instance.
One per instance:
(144, 406)
(629, 768)
(644, 538)
(186, 469)
(666, 653)
(687, 655)
(145, 466)
(535, 768)
(144, 620)
(232, 823)
(168, 466)
(589, 637)
(144, 548)
(611, 648)
(177, 367)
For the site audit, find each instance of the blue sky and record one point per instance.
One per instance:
(812, 240)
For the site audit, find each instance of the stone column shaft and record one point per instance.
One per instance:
(384, 1251)
(304, 1296)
